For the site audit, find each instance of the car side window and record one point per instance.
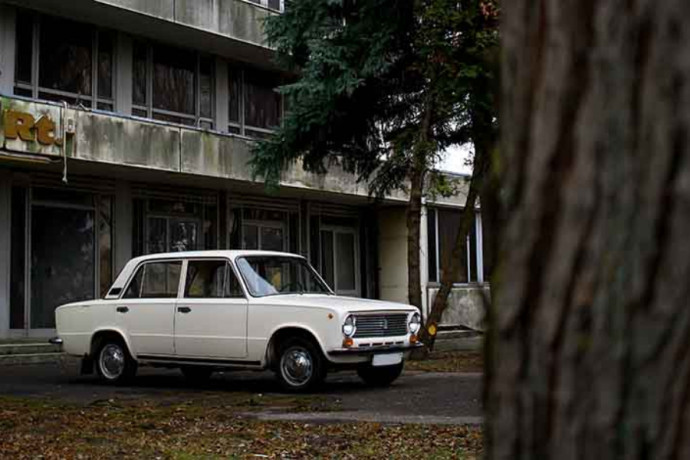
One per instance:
(205, 279)
(155, 280)
(233, 287)
(211, 279)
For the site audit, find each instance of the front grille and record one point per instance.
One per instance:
(389, 325)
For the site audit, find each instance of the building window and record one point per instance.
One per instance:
(255, 108)
(61, 60)
(173, 85)
(277, 5)
(442, 227)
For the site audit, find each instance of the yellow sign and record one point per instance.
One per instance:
(23, 126)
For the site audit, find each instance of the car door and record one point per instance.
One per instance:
(148, 307)
(211, 315)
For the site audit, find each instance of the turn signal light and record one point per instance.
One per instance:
(348, 342)
(413, 339)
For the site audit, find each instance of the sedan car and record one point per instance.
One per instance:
(210, 310)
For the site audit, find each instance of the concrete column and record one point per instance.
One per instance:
(5, 260)
(222, 97)
(123, 224)
(7, 48)
(123, 74)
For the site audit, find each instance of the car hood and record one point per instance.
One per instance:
(334, 301)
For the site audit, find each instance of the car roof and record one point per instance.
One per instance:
(230, 253)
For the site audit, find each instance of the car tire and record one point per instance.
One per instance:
(113, 362)
(301, 367)
(197, 374)
(380, 376)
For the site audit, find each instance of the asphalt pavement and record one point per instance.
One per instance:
(444, 398)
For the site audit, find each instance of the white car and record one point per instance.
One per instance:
(209, 310)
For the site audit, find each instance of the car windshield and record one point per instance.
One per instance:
(272, 275)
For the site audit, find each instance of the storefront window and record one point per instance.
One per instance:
(18, 258)
(62, 260)
(105, 243)
(69, 246)
(163, 225)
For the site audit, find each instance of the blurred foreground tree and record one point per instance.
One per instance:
(589, 349)
(383, 87)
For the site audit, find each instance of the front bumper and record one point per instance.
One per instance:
(369, 351)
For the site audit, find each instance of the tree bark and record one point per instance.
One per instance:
(589, 346)
(414, 210)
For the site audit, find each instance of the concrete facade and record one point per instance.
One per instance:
(114, 179)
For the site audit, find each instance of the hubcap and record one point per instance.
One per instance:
(296, 366)
(112, 361)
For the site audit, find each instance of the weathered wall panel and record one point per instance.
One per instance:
(465, 307)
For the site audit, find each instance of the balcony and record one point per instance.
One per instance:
(34, 130)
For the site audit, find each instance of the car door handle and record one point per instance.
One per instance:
(184, 309)
(122, 309)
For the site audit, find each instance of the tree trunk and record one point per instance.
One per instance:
(414, 210)
(428, 334)
(590, 344)
(483, 133)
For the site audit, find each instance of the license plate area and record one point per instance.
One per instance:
(387, 359)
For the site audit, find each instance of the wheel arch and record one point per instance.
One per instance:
(106, 333)
(289, 331)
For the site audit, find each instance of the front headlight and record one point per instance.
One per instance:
(415, 323)
(349, 326)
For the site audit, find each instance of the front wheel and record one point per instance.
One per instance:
(380, 376)
(114, 363)
(301, 366)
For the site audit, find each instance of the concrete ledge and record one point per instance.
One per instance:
(31, 358)
(27, 348)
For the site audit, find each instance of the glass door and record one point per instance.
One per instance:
(62, 260)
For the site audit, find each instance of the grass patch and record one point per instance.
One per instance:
(209, 429)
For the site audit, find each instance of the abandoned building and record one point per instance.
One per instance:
(126, 129)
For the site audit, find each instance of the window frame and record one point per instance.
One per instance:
(141, 264)
(477, 264)
(240, 126)
(245, 283)
(229, 271)
(197, 119)
(94, 99)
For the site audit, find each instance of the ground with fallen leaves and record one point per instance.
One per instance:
(449, 361)
(213, 426)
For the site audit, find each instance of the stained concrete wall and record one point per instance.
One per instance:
(126, 141)
(236, 19)
(466, 307)
(392, 254)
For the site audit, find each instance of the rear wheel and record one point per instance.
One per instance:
(380, 376)
(197, 374)
(114, 364)
(301, 367)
